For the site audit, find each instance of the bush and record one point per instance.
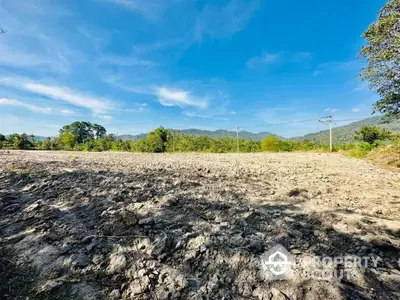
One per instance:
(370, 134)
(270, 144)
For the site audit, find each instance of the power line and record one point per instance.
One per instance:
(345, 120)
(284, 123)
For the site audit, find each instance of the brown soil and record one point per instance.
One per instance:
(192, 226)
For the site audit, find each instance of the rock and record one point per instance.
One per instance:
(33, 206)
(87, 239)
(98, 259)
(114, 295)
(161, 246)
(117, 263)
(81, 261)
(255, 245)
(138, 286)
(65, 248)
(50, 285)
(202, 248)
(236, 241)
(147, 221)
(276, 294)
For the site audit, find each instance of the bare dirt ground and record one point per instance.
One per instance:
(193, 226)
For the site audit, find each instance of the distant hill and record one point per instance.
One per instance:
(213, 134)
(345, 134)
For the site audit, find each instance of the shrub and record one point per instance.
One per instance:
(270, 144)
(370, 134)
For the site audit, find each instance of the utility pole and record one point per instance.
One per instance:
(237, 139)
(330, 133)
(328, 120)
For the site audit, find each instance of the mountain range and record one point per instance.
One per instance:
(346, 133)
(212, 134)
(340, 134)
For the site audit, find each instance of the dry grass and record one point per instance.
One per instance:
(388, 157)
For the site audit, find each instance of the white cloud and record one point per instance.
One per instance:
(356, 110)
(166, 96)
(266, 58)
(15, 58)
(283, 57)
(34, 39)
(200, 116)
(177, 97)
(105, 117)
(342, 66)
(331, 110)
(222, 21)
(67, 111)
(35, 108)
(118, 60)
(151, 9)
(64, 94)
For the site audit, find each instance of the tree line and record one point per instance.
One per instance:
(85, 136)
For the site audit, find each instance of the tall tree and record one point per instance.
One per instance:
(84, 131)
(382, 53)
(21, 141)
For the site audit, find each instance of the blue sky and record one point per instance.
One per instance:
(132, 65)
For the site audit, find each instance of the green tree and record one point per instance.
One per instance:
(84, 131)
(382, 52)
(164, 134)
(270, 143)
(371, 134)
(2, 138)
(21, 141)
(47, 144)
(154, 143)
(66, 141)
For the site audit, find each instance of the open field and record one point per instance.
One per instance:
(192, 226)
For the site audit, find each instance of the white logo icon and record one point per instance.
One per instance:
(277, 263)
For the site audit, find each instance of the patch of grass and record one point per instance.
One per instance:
(21, 172)
(389, 157)
(357, 153)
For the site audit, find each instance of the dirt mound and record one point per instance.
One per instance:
(125, 226)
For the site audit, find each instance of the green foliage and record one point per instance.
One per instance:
(67, 140)
(84, 131)
(270, 143)
(164, 140)
(371, 134)
(2, 138)
(382, 53)
(47, 144)
(21, 141)
(155, 142)
(358, 153)
(274, 144)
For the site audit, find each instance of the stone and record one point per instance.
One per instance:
(81, 261)
(114, 295)
(117, 263)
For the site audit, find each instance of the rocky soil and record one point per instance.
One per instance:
(140, 226)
